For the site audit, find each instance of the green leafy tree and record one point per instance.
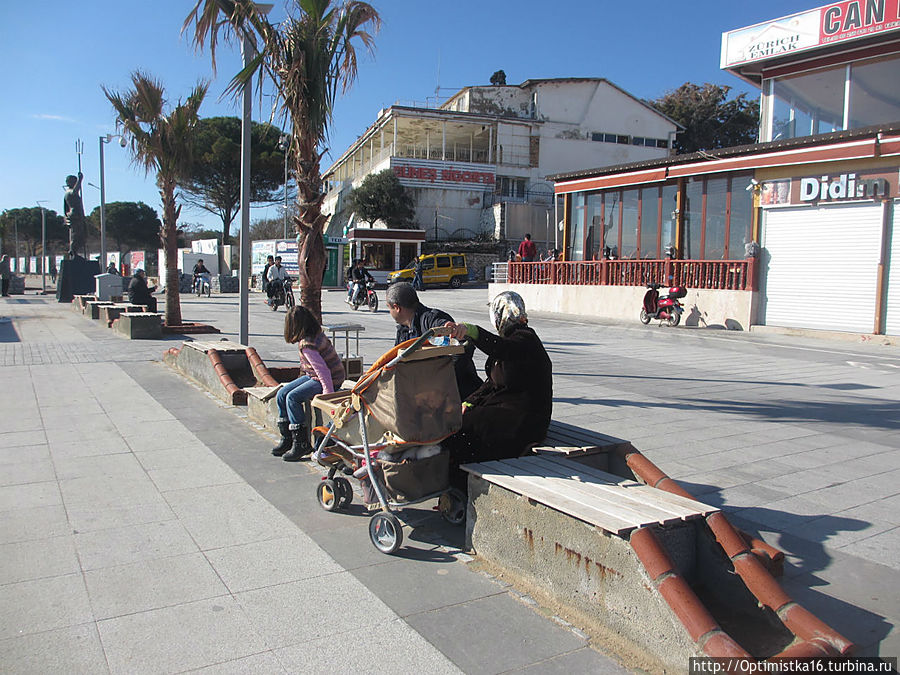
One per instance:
(132, 225)
(709, 118)
(214, 184)
(266, 228)
(498, 79)
(27, 221)
(161, 141)
(381, 196)
(308, 57)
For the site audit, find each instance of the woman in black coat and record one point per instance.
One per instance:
(512, 409)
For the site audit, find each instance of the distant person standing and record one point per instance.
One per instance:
(5, 274)
(527, 249)
(418, 285)
(112, 269)
(264, 279)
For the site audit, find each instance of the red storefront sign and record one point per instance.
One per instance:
(442, 175)
(837, 22)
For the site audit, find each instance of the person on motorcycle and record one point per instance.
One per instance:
(199, 269)
(276, 277)
(359, 275)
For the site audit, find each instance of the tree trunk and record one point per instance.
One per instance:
(226, 231)
(170, 246)
(309, 224)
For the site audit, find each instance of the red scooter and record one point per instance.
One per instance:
(663, 307)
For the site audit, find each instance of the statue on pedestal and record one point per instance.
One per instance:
(73, 209)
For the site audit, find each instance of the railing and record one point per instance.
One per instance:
(731, 275)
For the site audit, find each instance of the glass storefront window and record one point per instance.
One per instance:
(628, 245)
(741, 217)
(716, 201)
(669, 216)
(594, 239)
(693, 219)
(407, 254)
(649, 222)
(611, 219)
(873, 92)
(802, 104)
(576, 226)
(379, 256)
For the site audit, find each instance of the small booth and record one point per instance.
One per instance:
(384, 250)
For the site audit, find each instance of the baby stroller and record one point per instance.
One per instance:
(404, 406)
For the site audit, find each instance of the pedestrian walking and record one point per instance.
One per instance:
(5, 274)
(418, 285)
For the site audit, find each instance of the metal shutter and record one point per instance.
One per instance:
(892, 316)
(822, 266)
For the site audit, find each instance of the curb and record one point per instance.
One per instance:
(813, 637)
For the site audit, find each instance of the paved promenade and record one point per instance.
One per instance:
(145, 528)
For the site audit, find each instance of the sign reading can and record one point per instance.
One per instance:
(837, 22)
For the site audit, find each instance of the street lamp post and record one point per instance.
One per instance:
(103, 140)
(43, 246)
(284, 144)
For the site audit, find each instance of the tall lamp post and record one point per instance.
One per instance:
(43, 246)
(284, 144)
(103, 140)
(248, 51)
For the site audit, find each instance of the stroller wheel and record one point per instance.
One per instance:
(328, 495)
(345, 492)
(452, 505)
(385, 532)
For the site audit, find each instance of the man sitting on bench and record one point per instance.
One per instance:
(512, 409)
(139, 293)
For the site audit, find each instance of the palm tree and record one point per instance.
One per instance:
(308, 58)
(161, 142)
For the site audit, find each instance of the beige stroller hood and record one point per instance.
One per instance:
(416, 399)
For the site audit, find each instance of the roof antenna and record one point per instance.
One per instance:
(437, 88)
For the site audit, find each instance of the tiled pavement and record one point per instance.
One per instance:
(145, 528)
(798, 439)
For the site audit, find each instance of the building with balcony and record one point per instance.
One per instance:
(477, 164)
(757, 232)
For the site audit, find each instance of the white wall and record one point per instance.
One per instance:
(704, 308)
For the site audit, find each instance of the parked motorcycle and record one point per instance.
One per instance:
(663, 307)
(367, 297)
(283, 294)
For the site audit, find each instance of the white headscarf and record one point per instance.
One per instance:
(507, 309)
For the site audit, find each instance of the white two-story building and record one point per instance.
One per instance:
(476, 165)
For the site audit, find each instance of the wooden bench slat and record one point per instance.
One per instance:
(644, 500)
(661, 495)
(588, 514)
(608, 499)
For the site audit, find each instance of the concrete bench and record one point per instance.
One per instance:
(562, 530)
(630, 555)
(139, 325)
(92, 308)
(79, 302)
(109, 313)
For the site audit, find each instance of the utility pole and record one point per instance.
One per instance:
(43, 247)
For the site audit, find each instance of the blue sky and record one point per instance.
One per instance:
(56, 55)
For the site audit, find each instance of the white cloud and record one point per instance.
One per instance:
(56, 118)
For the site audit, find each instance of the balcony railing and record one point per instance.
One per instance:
(730, 275)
